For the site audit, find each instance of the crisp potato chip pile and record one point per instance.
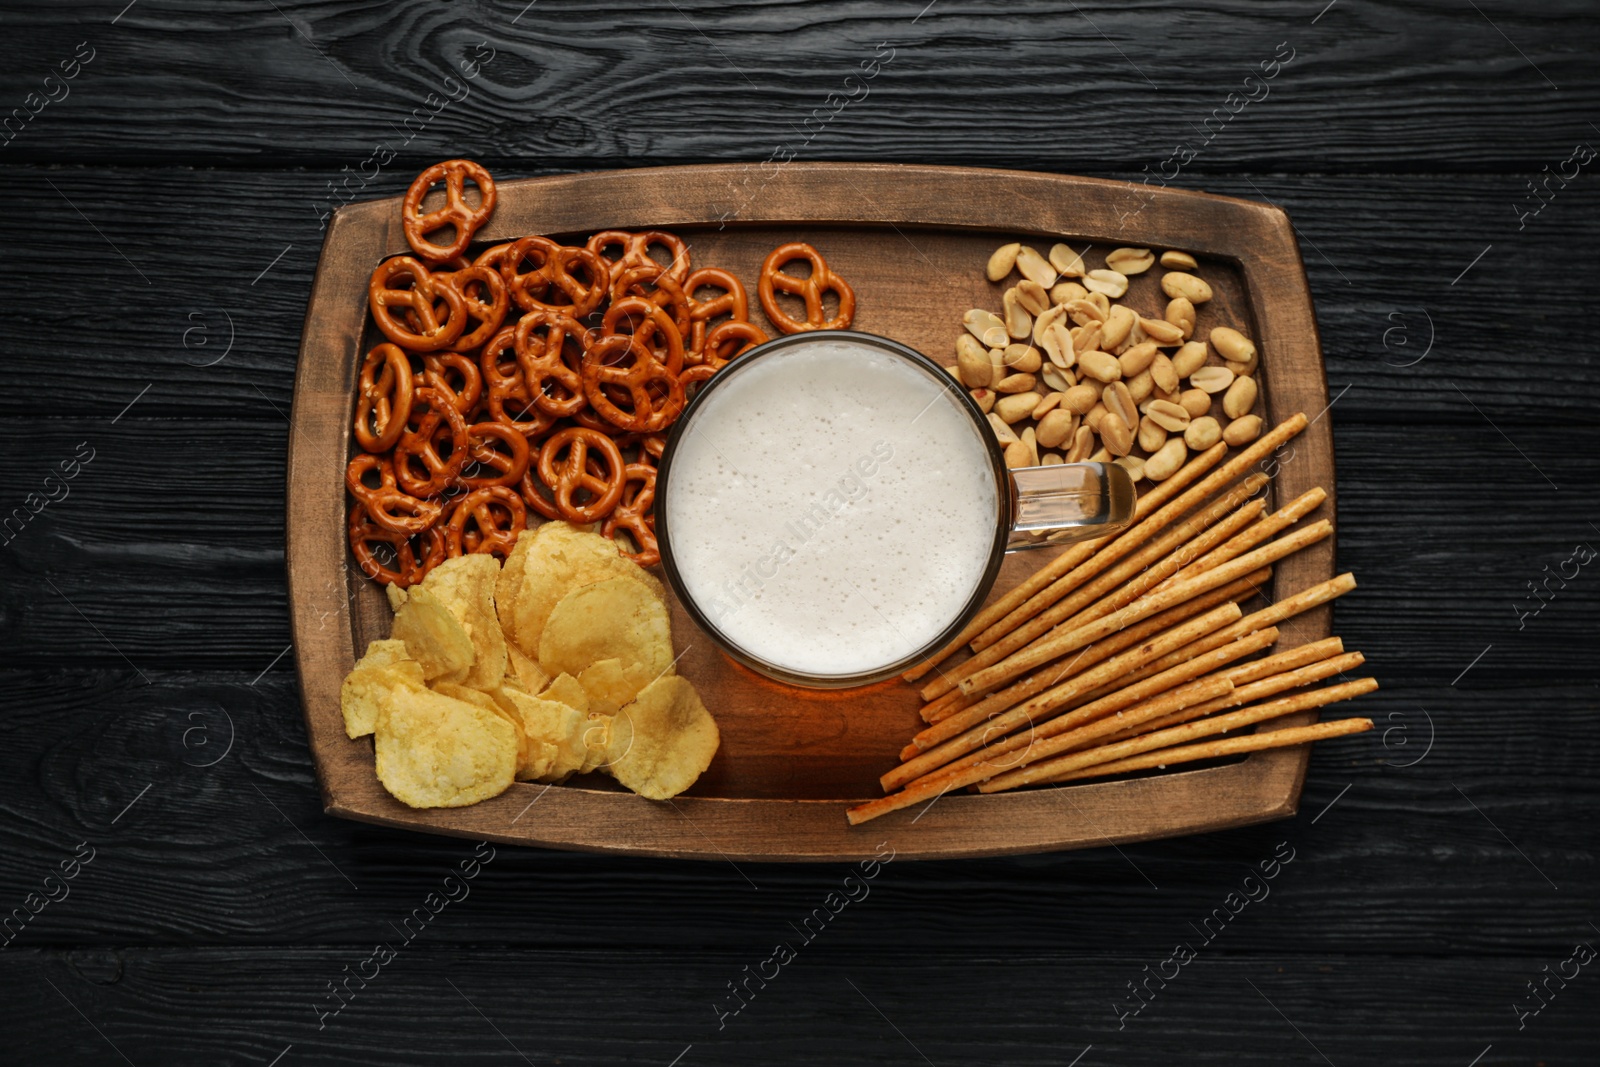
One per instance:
(558, 663)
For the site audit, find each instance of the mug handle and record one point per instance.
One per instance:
(1068, 502)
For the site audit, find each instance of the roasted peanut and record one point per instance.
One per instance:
(1202, 433)
(1080, 399)
(1152, 435)
(1211, 379)
(1116, 327)
(1002, 431)
(1001, 260)
(1165, 461)
(1190, 358)
(1068, 264)
(985, 399)
(1232, 345)
(1033, 297)
(1050, 459)
(1082, 445)
(1018, 455)
(1035, 267)
(1175, 260)
(1051, 401)
(1141, 385)
(1116, 435)
(1084, 311)
(1019, 357)
(1057, 426)
(1180, 312)
(1019, 324)
(1132, 464)
(1240, 398)
(1137, 358)
(1097, 415)
(1031, 439)
(1056, 378)
(976, 370)
(1016, 383)
(1165, 375)
(1108, 283)
(986, 326)
(1243, 430)
(1193, 289)
(1195, 401)
(1016, 406)
(1130, 261)
(1101, 366)
(1120, 403)
(1161, 331)
(1067, 292)
(1171, 417)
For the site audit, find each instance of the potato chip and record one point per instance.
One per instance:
(618, 618)
(396, 595)
(559, 559)
(488, 702)
(555, 734)
(610, 685)
(466, 585)
(385, 667)
(434, 636)
(663, 741)
(434, 751)
(509, 582)
(567, 690)
(596, 736)
(525, 670)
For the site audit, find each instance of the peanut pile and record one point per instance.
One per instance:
(1065, 374)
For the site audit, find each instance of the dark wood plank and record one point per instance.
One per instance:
(240, 852)
(1381, 252)
(614, 84)
(829, 1005)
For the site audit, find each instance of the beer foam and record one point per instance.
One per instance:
(831, 508)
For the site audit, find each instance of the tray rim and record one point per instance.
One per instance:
(1258, 239)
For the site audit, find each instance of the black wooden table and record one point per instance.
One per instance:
(172, 892)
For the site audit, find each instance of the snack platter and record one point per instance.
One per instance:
(912, 240)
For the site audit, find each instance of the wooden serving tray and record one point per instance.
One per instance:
(913, 241)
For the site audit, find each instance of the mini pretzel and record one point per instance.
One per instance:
(634, 513)
(426, 331)
(822, 280)
(566, 279)
(408, 568)
(732, 302)
(421, 445)
(550, 347)
(564, 466)
(508, 399)
(729, 339)
(510, 460)
(635, 251)
(621, 368)
(484, 293)
(667, 294)
(454, 375)
(456, 212)
(651, 325)
(385, 503)
(486, 520)
(383, 398)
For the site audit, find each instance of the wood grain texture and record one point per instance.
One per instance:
(611, 84)
(790, 756)
(468, 1004)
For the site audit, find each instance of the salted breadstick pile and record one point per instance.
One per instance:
(1132, 652)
